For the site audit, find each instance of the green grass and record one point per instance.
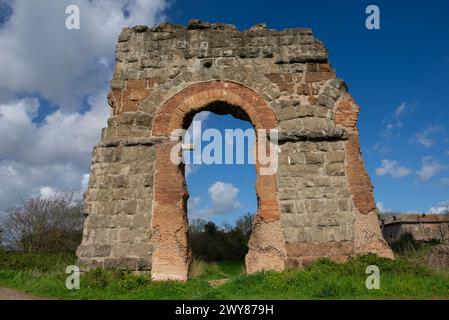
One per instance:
(400, 279)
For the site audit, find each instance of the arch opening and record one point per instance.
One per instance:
(171, 252)
(222, 200)
(221, 108)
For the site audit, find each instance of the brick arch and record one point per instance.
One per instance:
(171, 254)
(199, 95)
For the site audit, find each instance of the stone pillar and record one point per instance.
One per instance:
(367, 234)
(171, 255)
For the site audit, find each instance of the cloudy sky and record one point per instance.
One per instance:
(54, 81)
(53, 87)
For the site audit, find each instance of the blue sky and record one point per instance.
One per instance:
(53, 87)
(237, 195)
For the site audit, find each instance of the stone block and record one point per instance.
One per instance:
(315, 124)
(291, 125)
(314, 157)
(335, 157)
(335, 169)
(326, 101)
(140, 249)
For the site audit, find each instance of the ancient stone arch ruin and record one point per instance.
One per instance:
(319, 203)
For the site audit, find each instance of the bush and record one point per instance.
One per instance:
(100, 278)
(130, 281)
(434, 242)
(213, 244)
(437, 257)
(45, 223)
(406, 244)
(197, 268)
(42, 262)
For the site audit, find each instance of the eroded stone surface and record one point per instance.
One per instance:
(319, 203)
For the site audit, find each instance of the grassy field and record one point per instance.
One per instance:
(43, 274)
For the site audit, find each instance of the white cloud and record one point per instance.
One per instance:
(40, 58)
(401, 109)
(46, 192)
(190, 169)
(61, 137)
(441, 208)
(193, 202)
(380, 147)
(7, 171)
(430, 168)
(53, 154)
(223, 198)
(85, 182)
(392, 168)
(30, 179)
(40, 55)
(393, 122)
(427, 137)
(381, 208)
(444, 182)
(391, 127)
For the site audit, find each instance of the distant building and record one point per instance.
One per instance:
(422, 226)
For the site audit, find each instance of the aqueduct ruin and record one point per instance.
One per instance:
(319, 203)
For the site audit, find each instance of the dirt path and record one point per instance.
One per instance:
(12, 294)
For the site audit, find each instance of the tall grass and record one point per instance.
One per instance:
(406, 244)
(197, 268)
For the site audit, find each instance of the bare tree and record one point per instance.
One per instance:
(2, 245)
(197, 225)
(245, 223)
(45, 223)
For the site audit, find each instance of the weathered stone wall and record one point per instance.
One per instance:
(318, 204)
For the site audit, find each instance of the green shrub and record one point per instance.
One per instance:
(210, 243)
(100, 279)
(406, 244)
(43, 262)
(130, 281)
(434, 242)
